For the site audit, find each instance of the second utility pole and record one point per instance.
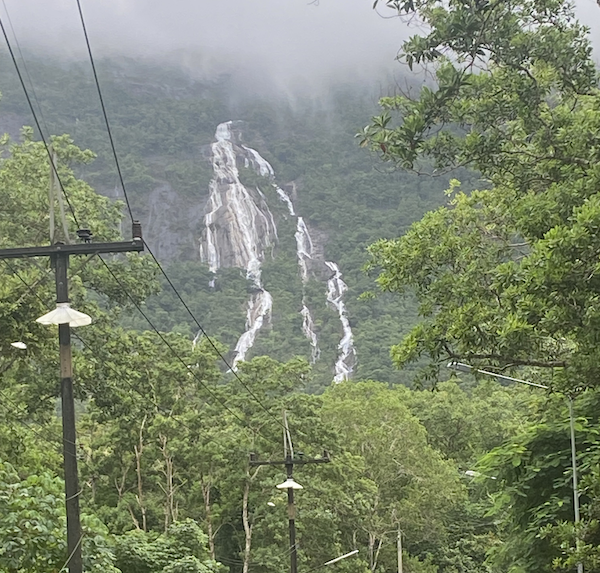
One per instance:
(289, 462)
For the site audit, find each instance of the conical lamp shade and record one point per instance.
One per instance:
(64, 314)
(289, 483)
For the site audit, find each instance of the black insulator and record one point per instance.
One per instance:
(136, 231)
(85, 235)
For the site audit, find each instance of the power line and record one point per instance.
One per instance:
(88, 346)
(15, 414)
(24, 64)
(112, 143)
(125, 194)
(166, 342)
(24, 87)
(210, 341)
(66, 196)
(35, 119)
(160, 267)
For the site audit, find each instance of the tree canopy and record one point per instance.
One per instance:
(505, 275)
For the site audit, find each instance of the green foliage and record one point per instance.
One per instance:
(407, 477)
(33, 523)
(27, 290)
(163, 124)
(502, 273)
(505, 275)
(181, 549)
(464, 425)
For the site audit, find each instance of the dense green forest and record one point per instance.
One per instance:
(472, 474)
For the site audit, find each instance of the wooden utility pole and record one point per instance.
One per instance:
(289, 462)
(59, 254)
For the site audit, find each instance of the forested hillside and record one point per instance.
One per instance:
(164, 123)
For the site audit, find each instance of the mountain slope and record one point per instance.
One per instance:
(339, 200)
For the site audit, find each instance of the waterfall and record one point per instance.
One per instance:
(238, 229)
(336, 289)
(304, 248)
(308, 327)
(285, 198)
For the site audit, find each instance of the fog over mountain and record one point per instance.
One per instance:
(287, 43)
(270, 41)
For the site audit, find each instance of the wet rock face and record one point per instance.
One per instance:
(175, 240)
(239, 226)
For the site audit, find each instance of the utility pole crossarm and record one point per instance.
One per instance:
(290, 461)
(136, 245)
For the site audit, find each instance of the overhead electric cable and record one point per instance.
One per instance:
(15, 414)
(12, 29)
(166, 342)
(35, 118)
(210, 340)
(89, 347)
(110, 137)
(160, 267)
(70, 205)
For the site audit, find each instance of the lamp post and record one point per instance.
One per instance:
(462, 367)
(291, 485)
(66, 317)
(289, 462)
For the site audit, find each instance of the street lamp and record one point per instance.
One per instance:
(66, 318)
(462, 367)
(64, 314)
(291, 485)
(11, 361)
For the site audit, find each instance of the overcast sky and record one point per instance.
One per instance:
(284, 40)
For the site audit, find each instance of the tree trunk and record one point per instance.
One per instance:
(139, 448)
(206, 487)
(170, 507)
(371, 551)
(247, 527)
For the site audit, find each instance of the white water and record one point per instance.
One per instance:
(336, 288)
(308, 327)
(262, 166)
(238, 230)
(239, 227)
(284, 197)
(304, 248)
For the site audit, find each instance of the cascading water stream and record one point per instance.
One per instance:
(336, 289)
(304, 249)
(238, 229)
